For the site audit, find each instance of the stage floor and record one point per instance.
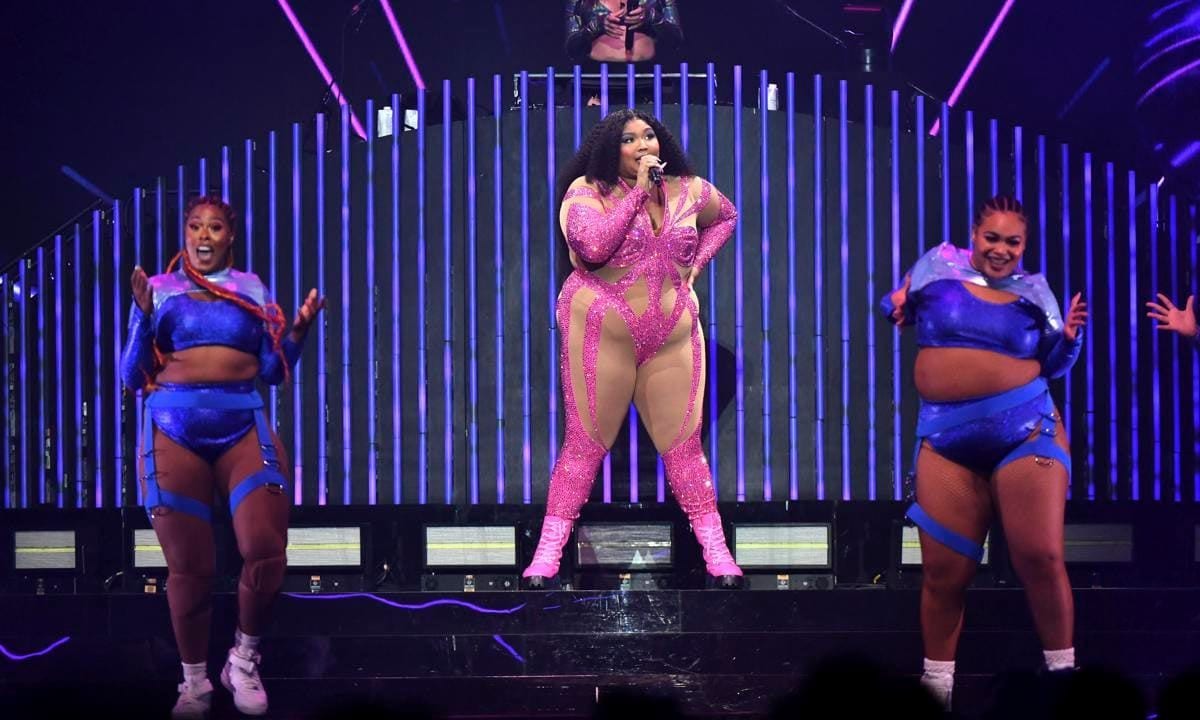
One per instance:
(551, 654)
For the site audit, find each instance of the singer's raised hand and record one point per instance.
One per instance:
(646, 162)
(634, 18)
(614, 27)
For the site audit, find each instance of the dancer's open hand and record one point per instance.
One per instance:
(1169, 317)
(143, 294)
(313, 304)
(899, 300)
(1076, 317)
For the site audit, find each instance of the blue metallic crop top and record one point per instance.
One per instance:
(184, 319)
(947, 314)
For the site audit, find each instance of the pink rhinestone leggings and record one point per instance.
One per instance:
(619, 344)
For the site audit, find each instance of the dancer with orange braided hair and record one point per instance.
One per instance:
(198, 337)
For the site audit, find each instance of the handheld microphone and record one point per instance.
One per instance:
(656, 175)
(633, 5)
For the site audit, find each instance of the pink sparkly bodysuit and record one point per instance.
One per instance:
(633, 332)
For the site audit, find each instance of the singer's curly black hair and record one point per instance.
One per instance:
(599, 159)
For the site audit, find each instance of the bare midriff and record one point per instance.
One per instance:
(946, 374)
(208, 364)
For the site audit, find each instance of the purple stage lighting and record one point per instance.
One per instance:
(403, 44)
(321, 68)
(983, 46)
(901, 19)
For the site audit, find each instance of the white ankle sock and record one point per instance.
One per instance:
(1060, 659)
(194, 673)
(245, 645)
(938, 676)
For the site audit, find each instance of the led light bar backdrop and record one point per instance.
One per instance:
(433, 375)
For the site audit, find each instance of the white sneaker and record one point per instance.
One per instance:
(194, 701)
(240, 676)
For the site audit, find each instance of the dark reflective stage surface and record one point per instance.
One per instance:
(534, 654)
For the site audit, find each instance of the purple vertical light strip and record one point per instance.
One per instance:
(225, 173)
(631, 99)
(994, 154)
(298, 413)
(1018, 164)
(658, 94)
(1067, 415)
(117, 407)
(202, 176)
(1110, 220)
(969, 128)
(710, 81)
(272, 233)
(160, 262)
(1195, 363)
(60, 435)
(739, 310)
(660, 471)
(498, 261)
(1090, 370)
(181, 200)
(919, 139)
(1176, 390)
(447, 307)
(248, 211)
(897, 461)
(872, 341)
(577, 102)
(80, 402)
(765, 281)
(945, 120)
(818, 283)
(603, 89)
(793, 405)
(372, 315)
(1041, 193)
(844, 273)
(684, 131)
(526, 413)
(322, 331)
(347, 436)
(41, 373)
(422, 332)
(98, 387)
(552, 259)
(23, 373)
(394, 308)
(1135, 301)
(472, 310)
(1156, 383)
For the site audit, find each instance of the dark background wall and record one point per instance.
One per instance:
(123, 91)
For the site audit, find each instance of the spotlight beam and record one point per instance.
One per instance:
(321, 67)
